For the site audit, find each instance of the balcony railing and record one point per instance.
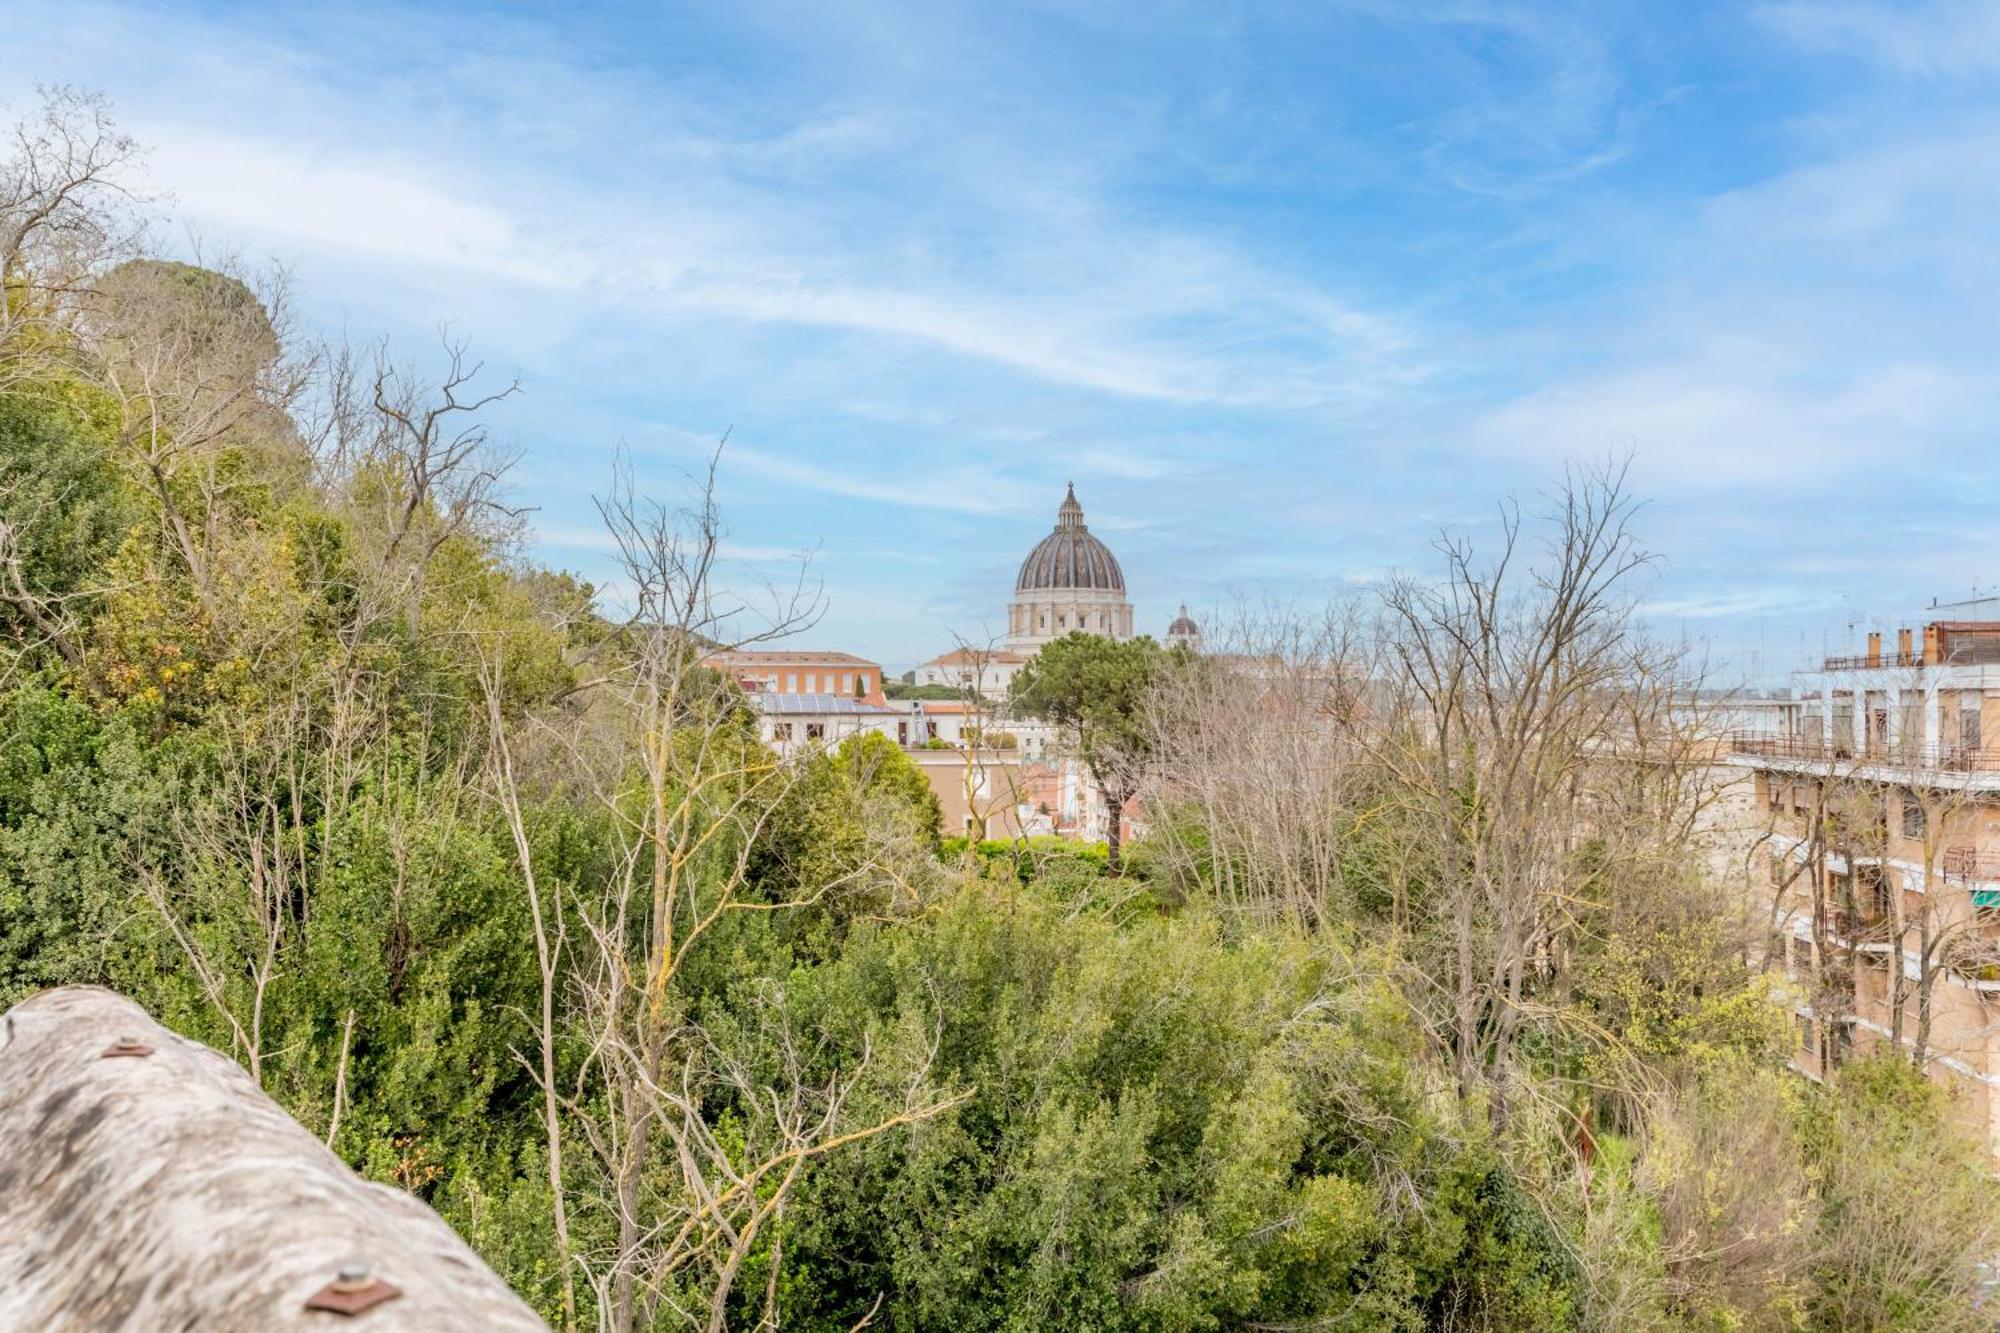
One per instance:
(1878, 661)
(1968, 865)
(1940, 758)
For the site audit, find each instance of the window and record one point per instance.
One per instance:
(792, 682)
(930, 731)
(903, 732)
(1806, 1034)
(1968, 723)
(1913, 816)
(815, 731)
(781, 731)
(1871, 892)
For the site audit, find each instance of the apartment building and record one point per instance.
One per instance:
(1877, 794)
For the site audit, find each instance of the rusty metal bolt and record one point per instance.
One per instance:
(355, 1288)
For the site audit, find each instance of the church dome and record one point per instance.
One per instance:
(1070, 557)
(1184, 626)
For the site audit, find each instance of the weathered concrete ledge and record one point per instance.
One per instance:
(167, 1192)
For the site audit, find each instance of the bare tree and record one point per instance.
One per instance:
(986, 780)
(231, 888)
(1519, 690)
(66, 213)
(44, 611)
(1262, 784)
(195, 363)
(661, 747)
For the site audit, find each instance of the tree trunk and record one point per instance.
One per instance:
(1114, 810)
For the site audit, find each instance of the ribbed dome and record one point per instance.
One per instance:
(1183, 624)
(1070, 557)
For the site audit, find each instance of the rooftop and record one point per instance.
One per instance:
(786, 657)
(1943, 643)
(773, 703)
(977, 656)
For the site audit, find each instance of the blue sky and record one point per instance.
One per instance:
(1283, 288)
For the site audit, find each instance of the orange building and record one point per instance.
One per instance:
(801, 671)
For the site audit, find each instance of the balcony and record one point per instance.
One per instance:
(1969, 865)
(1874, 662)
(1928, 758)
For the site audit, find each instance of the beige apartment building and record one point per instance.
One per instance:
(1876, 800)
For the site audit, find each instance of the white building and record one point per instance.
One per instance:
(794, 723)
(989, 671)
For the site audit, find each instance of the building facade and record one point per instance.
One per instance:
(1879, 849)
(988, 671)
(800, 671)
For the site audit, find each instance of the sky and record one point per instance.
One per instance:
(1285, 289)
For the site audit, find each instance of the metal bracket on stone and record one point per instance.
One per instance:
(353, 1291)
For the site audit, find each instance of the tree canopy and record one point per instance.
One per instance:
(1096, 690)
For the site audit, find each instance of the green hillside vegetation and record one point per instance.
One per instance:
(489, 884)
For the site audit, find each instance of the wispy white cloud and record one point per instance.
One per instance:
(1736, 603)
(949, 489)
(1052, 282)
(1917, 37)
(1715, 424)
(312, 197)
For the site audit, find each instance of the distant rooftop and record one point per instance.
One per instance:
(785, 657)
(976, 656)
(1941, 643)
(773, 703)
